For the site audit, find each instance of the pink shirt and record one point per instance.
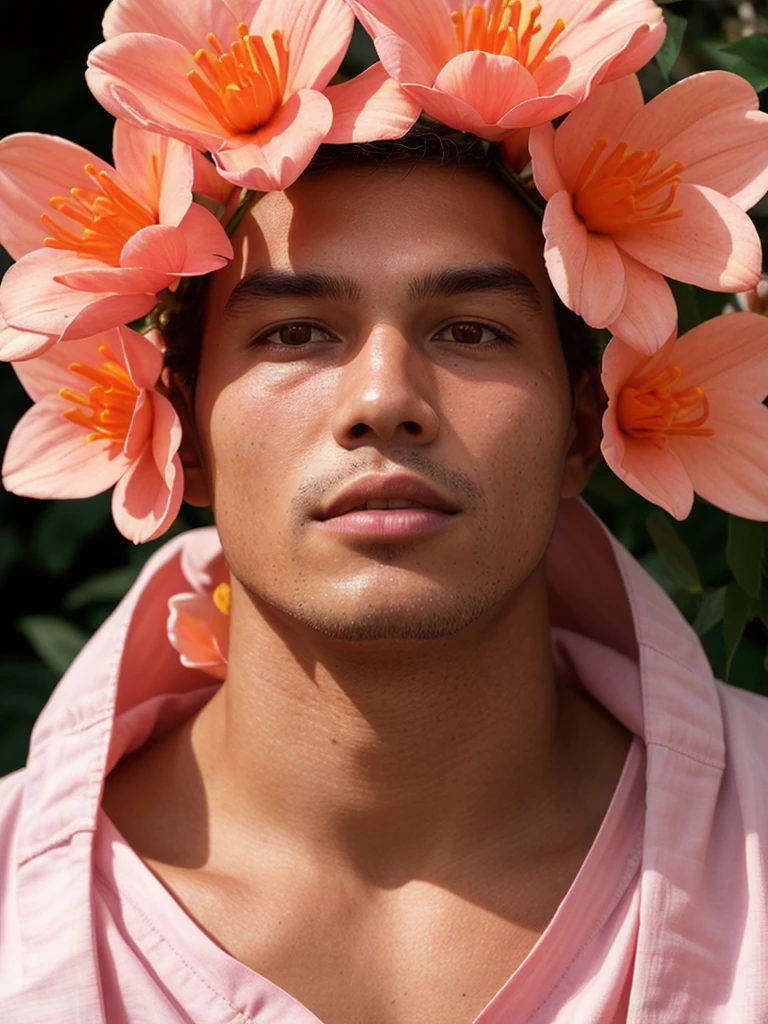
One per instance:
(666, 922)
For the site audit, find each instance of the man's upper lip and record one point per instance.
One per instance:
(390, 487)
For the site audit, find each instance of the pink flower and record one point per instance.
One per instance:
(198, 623)
(97, 422)
(95, 244)
(639, 191)
(243, 80)
(500, 65)
(691, 417)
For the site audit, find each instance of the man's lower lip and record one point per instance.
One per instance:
(393, 524)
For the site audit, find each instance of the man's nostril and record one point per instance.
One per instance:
(411, 427)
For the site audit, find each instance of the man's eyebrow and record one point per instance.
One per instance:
(488, 277)
(268, 283)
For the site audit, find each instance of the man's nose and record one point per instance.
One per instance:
(386, 391)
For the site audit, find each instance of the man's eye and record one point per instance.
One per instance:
(472, 334)
(294, 335)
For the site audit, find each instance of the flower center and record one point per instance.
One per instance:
(650, 409)
(221, 598)
(625, 189)
(508, 30)
(244, 85)
(107, 410)
(108, 218)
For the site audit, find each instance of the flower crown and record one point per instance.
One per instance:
(234, 99)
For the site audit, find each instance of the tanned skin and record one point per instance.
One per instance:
(383, 805)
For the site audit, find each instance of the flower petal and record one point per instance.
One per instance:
(492, 85)
(186, 21)
(118, 280)
(50, 371)
(203, 563)
(22, 345)
(726, 353)
(370, 106)
(31, 300)
(604, 115)
(49, 457)
(159, 170)
(272, 158)
(104, 312)
(141, 356)
(565, 250)
(33, 169)
(316, 34)
(143, 506)
(207, 246)
(713, 245)
(425, 26)
(656, 474)
(140, 429)
(730, 469)
(199, 632)
(142, 79)
(649, 315)
(604, 288)
(403, 62)
(166, 436)
(546, 173)
(681, 107)
(162, 252)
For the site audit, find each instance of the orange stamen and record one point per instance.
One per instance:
(109, 217)
(110, 402)
(508, 29)
(650, 409)
(222, 597)
(611, 195)
(243, 86)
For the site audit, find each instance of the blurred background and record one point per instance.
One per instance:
(63, 565)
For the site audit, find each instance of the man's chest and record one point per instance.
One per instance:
(420, 955)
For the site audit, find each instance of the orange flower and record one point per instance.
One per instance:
(639, 192)
(691, 417)
(198, 621)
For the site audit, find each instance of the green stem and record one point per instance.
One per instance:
(248, 199)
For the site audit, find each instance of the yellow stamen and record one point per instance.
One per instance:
(609, 196)
(650, 408)
(221, 598)
(243, 86)
(110, 402)
(507, 29)
(109, 217)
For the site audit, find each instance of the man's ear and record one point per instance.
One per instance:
(586, 433)
(196, 488)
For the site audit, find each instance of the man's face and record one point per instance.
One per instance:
(385, 337)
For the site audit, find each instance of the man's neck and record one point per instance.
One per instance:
(398, 757)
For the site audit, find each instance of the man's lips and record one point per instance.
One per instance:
(391, 488)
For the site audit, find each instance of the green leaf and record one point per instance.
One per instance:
(738, 612)
(673, 41)
(63, 527)
(54, 641)
(753, 49)
(109, 586)
(675, 556)
(721, 58)
(745, 550)
(688, 311)
(711, 611)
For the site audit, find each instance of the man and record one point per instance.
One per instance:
(469, 763)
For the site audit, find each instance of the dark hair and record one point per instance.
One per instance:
(426, 141)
